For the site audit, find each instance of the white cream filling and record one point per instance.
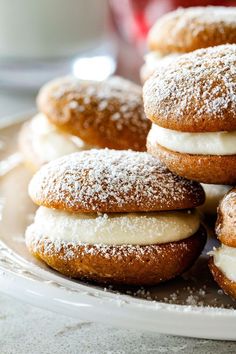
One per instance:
(154, 59)
(209, 143)
(214, 193)
(115, 229)
(49, 143)
(225, 260)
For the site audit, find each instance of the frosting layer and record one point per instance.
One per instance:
(49, 143)
(209, 143)
(153, 59)
(214, 193)
(115, 228)
(225, 260)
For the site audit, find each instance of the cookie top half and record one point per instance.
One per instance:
(185, 30)
(103, 114)
(112, 181)
(196, 92)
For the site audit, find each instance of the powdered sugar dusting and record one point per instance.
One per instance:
(187, 24)
(112, 181)
(196, 91)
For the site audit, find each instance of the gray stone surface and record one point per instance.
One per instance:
(26, 330)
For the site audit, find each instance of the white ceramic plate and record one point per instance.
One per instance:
(191, 305)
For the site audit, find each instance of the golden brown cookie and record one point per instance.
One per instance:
(226, 220)
(104, 114)
(195, 93)
(226, 284)
(185, 30)
(125, 264)
(112, 181)
(203, 168)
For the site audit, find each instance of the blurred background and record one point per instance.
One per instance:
(90, 39)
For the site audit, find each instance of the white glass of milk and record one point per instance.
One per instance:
(42, 39)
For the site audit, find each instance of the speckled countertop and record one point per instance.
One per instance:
(25, 329)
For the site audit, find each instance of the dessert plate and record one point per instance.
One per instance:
(191, 305)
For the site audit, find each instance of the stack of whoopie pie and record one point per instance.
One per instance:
(192, 106)
(182, 31)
